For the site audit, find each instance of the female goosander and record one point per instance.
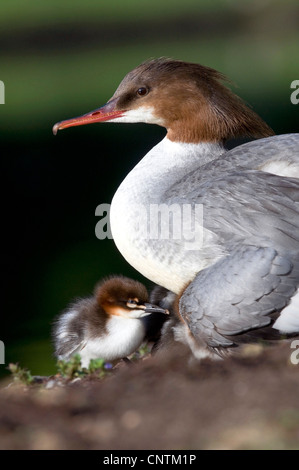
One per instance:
(242, 273)
(111, 325)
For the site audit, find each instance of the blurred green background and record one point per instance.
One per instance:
(63, 58)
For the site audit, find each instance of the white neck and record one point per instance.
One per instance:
(163, 166)
(158, 172)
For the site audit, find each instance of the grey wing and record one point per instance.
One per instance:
(246, 207)
(244, 291)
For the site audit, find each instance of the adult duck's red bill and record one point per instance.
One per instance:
(105, 113)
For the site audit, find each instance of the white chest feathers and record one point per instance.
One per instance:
(123, 337)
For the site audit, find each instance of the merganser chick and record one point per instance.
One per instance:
(110, 325)
(164, 299)
(241, 267)
(173, 329)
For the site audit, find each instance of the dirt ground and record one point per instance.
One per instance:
(168, 402)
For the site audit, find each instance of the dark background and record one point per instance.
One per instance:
(63, 58)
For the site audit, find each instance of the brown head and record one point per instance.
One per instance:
(188, 99)
(126, 297)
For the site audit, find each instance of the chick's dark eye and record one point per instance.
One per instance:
(132, 303)
(142, 91)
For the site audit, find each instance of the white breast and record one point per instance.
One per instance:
(164, 261)
(124, 336)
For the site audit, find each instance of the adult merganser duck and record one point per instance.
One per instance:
(243, 274)
(111, 325)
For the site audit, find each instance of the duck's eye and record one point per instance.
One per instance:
(132, 303)
(142, 91)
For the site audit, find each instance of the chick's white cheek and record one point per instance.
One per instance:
(136, 313)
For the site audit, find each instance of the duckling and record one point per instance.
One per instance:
(173, 335)
(111, 324)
